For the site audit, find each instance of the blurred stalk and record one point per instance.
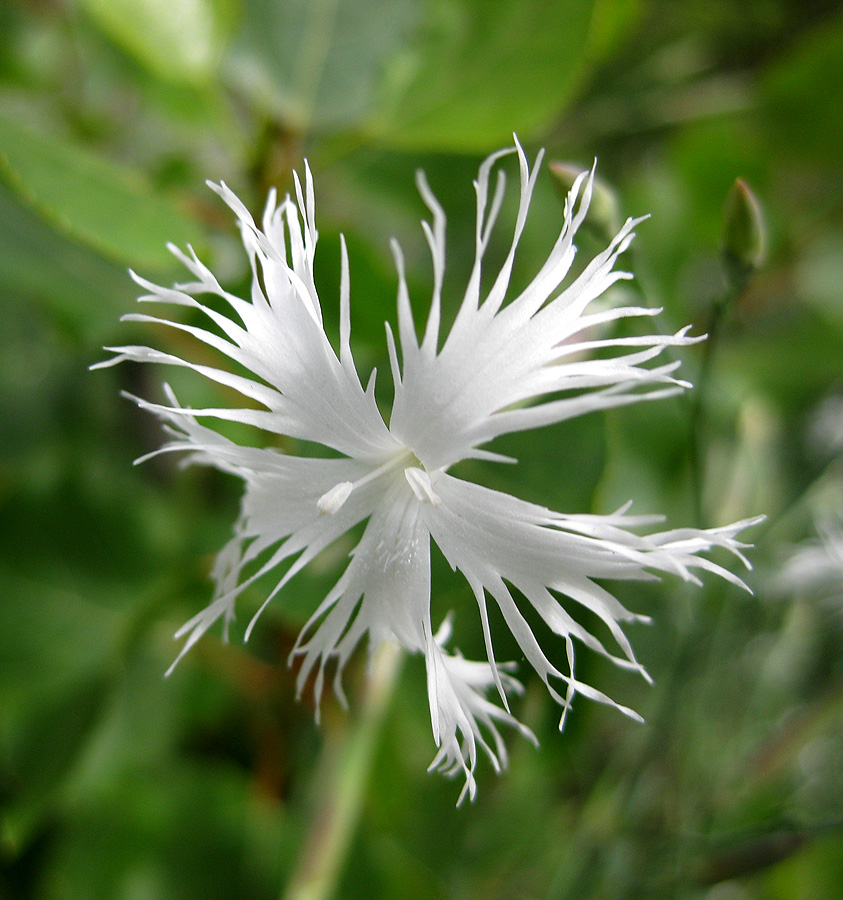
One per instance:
(698, 406)
(342, 780)
(625, 791)
(742, 252)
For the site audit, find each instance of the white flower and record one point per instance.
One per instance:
(503, 367)
(825, 433)
(815, 566)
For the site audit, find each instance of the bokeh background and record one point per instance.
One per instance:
(116, 783)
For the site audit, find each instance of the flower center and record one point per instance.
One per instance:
(417, 477)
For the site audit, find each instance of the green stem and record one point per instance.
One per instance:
(698, 409)
(342, 780)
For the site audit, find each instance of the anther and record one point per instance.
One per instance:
(421, 485)
(332, 501)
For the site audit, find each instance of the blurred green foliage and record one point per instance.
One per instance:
(117, 784)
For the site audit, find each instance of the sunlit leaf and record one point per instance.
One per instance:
(179, 41)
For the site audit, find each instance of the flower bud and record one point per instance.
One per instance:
(603, 218)
(744, 244)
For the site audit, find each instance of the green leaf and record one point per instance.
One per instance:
(790, 352)
(97, 202)
(43, 747)
(54, 639)
(611, 23)
(167, 832)
(318, 63)
(423, 75)
(82, 291)
(480, 71)
(176, 41)
(802, 124)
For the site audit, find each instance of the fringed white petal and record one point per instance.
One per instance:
(814, 567)
(450, 400)
(308, 392)
(506, 364)
(384, 592)
(462, 716)
(497, 541)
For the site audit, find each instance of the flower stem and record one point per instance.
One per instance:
(342, 781)
(719, 310)
(698, 412)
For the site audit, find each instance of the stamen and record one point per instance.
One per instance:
(421, 485)
(333, 500)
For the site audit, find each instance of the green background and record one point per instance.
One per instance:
(115, 783)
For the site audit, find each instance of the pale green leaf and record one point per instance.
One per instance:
(180, 41)
(108, 207)
(82, 291)
(423, 74)
(480, 71)
(317, 63)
